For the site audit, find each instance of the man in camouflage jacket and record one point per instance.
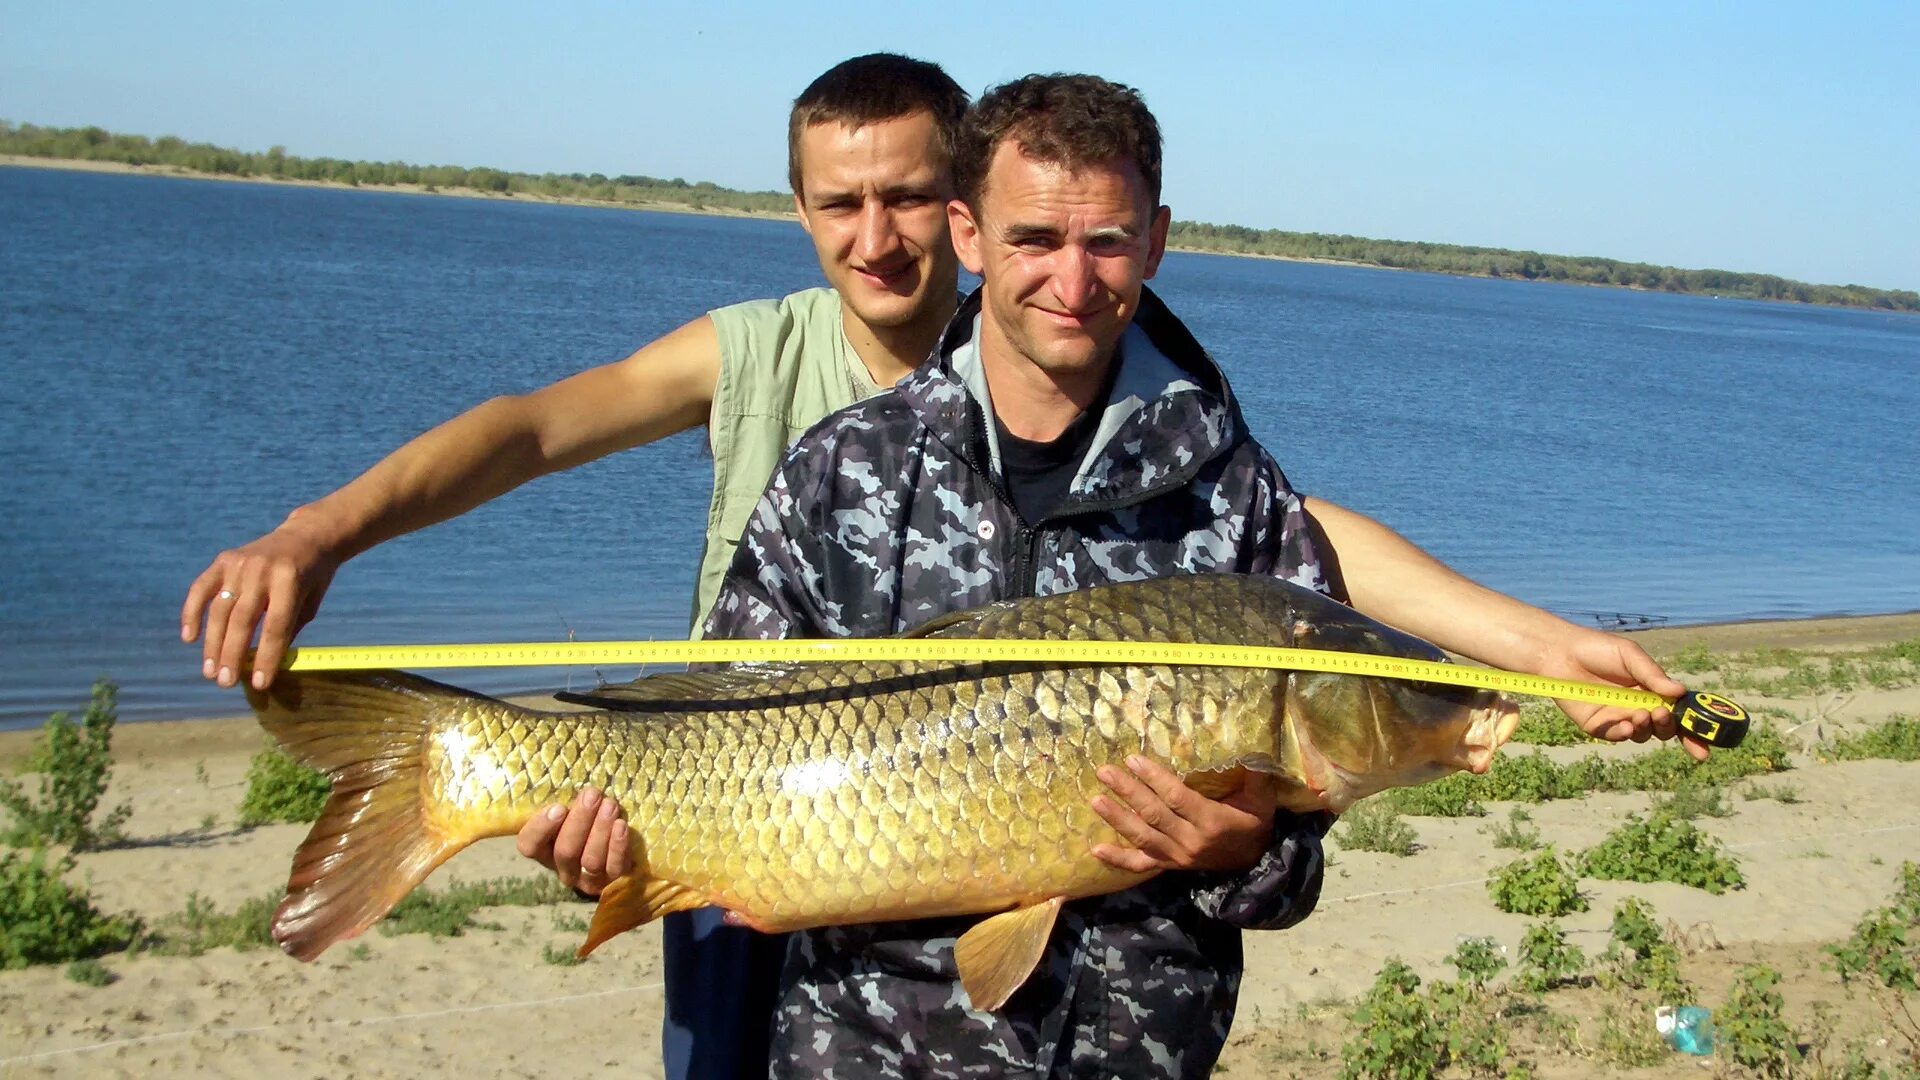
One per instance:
(1069, 432)
(891, 513)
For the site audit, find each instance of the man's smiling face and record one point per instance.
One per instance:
(1062, 254)
(873, 199)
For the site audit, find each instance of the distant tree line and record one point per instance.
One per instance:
(97, 144)
(1528, 265)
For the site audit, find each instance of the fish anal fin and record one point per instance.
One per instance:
(998, 953)
(632, 901)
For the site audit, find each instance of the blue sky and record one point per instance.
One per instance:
(1769, 137)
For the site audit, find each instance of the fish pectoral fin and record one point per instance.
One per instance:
(635, 900)
(1217, 782)
(998, 954)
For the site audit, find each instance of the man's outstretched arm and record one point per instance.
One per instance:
(274, 584)
(1390, 579)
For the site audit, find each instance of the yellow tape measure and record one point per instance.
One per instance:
(958, 650)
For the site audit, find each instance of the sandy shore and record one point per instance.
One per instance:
(489, 1004)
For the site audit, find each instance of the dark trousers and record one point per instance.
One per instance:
(722, 985)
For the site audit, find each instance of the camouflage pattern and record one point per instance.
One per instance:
(892, 512)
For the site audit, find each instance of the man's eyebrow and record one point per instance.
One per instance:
(1113, 232)
(1017, 233)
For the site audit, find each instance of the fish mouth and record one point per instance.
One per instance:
(1488, 729)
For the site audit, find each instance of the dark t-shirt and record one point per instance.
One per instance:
(1038, 474)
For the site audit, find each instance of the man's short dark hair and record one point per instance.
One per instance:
(869, 89)
(1067, 120)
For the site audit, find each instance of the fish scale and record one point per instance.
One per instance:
(813, 794)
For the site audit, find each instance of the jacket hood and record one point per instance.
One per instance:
(1170, 410)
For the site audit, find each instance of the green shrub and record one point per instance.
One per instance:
(1640, 956)
(1395, 1037)
(1663, 848)
(1477, 960)
(1695, 800)
(90, 973)
(1546, 960)
(1540, 885)
(45, 920)
(1751, 1030)
(1372, 825)
(1694, 659)
(1884, 950)
(449, 913)
(1450, 796)
(1543, 724)
(1517, 833)
(1668, 768)
(281, 789)
(1403, 1034)
(201, 927)
(560, 957)
(1897, 739)
(1519, 778)
(1786, 794)
(75, 765)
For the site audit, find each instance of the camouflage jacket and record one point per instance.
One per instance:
(892, 512)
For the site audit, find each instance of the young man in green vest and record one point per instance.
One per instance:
(870, 151)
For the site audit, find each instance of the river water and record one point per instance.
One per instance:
(181, 362)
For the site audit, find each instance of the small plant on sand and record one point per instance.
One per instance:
(1401, 1033)
(1477, 960)
(1782, 793)
(1540, 885)
(561, 956)
(75, 764)
(1450, 796)
(1694, 659)
(1695, 801)
(46, 920)
(1897, 739)
(1543, 724)
(1640, 956)
(1547, 962)
(1375, 826)
(1663, 848)
(90, 973)
(1395, 1037)
(450, 912)
(281, 789)
(201, 927)
(1751, 1031)
(1883, 955)
(1516, 834)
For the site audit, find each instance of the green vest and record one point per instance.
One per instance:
(783, 365)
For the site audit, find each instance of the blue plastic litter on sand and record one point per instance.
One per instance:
(1687, 1028)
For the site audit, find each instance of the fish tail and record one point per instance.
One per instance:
(375, 840)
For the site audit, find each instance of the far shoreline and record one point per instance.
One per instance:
(179, 173)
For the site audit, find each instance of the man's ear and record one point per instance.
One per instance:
(1157, 240)
(800, 207)
(965, 230)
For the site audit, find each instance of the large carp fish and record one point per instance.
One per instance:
(816, 793)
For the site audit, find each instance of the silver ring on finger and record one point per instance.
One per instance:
(224, 594)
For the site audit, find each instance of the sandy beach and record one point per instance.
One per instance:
(492, 1003)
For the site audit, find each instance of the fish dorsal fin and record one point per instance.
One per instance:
(681, 689)
(939, 625)
(632, 901)
(997, 955)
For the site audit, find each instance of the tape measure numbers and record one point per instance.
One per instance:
(1709, 717)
